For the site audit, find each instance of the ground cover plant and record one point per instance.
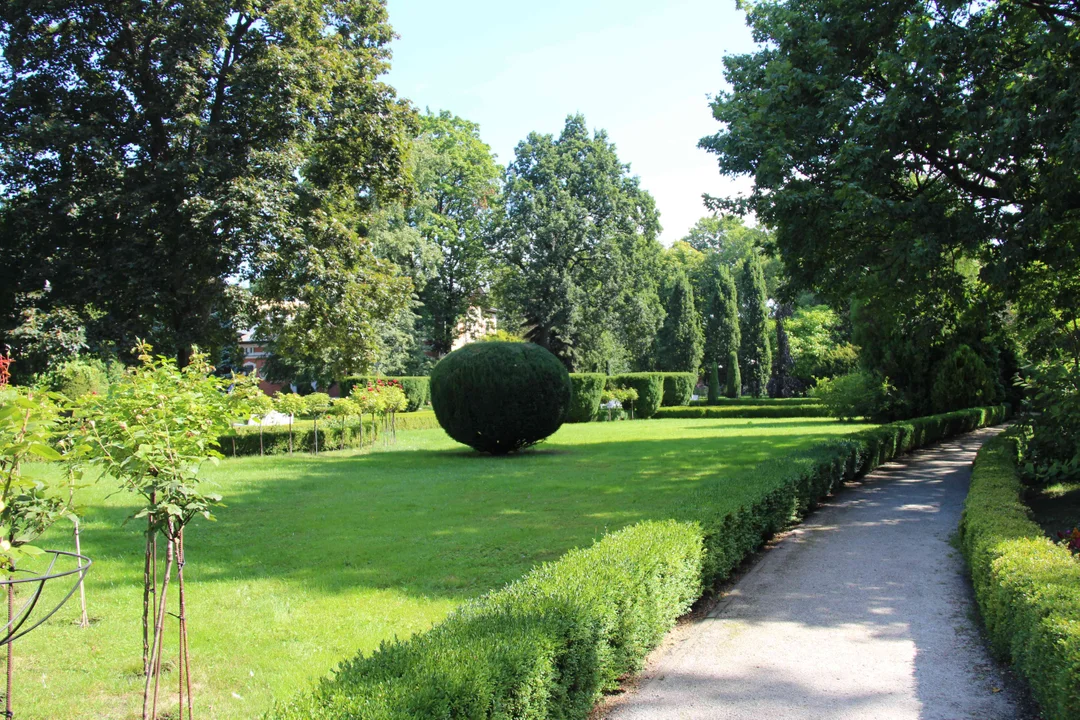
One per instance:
(313, 559)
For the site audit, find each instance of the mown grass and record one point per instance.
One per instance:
(315, 558)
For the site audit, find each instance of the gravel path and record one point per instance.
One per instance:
(863, 611)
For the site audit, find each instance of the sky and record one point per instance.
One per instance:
(644, 71)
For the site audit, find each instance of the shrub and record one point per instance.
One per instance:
(714, 383)
(332, 434)
(76, 378)
(1027, 587)
(417, 389)
(963, 380)
(586, 391)
(650, 389)
(1052, 453)
(734, 376)
(549, 644)
(499, 397)
(739, 410)
(678, 387)
(853, 396)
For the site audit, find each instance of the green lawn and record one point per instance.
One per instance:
(315, 558)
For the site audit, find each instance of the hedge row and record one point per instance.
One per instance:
(417, 389)
(678, 388)
(548, 645)
(1027, 587)
(650, 390)
(743, 411)
(762, 401)
(586, 392)
(276, 437)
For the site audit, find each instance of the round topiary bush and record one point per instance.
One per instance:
(499, 397)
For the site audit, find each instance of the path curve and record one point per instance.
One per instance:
(863, 611)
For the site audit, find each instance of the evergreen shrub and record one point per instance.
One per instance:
(650, 389)
(499, 397)
(678, 388)
(586, 392)
(417, 388)
(963, 380)
(1027, 587)
(734, 376)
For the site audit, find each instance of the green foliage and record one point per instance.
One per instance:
(28, 505)
(963, 380)
(417, 389)
(739, 410)
(1052, 422)
(231, 140)
(650, 389)
(733, 387)
(755, 349)
(818, 346)
(722, 333)
(157, 428)
(44, 335)
(501, 335)
(81, 376)
(342, 431)
(714, 381)
(551, 643)
(586, 392)
(577, 243)
(681, 340)
(678, 387)
(1027, 587)
(500, 397)
(456, 180)
(855, 395)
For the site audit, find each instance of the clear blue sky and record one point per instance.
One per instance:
(643, 71)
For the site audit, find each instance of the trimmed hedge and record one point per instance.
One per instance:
(1027, 587)
(650, 390)
(586, 392)
(417, 388)
(549, 644)
(761, 402)
(716, 412)
(276, 437)
(678, 388)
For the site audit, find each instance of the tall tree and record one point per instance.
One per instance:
(722, 333)
(456, 182)
(755, 351)
(577, 239)
(681, 340)
(157, 153)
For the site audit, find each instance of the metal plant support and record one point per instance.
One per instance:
(23, 621)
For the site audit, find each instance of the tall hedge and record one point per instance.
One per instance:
(417, 388)
(1027, 587)
(678, 388)
(733, 388)
(499, 397)
(650, 390)
(586, 392)
(548, 645)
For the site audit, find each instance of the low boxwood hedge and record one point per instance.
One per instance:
(728, 402)
(716, 412)
(276, 437)
(586, 392)
(650, 390)
(417, 388)
(550, 644)
(678, 388)
(1027, 587)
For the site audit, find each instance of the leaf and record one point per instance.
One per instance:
(45, 452)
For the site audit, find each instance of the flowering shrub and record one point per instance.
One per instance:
(1070, 539)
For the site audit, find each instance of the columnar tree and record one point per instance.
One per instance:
(723, 336)
(156, 152)
(577, 240)
(681, 340)
(755, 351)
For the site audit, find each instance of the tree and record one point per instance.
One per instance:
(681, 341)
(782, 384)
(162, 152)
(734, 377)
(576, 239)
(755, 353)
(890, 144)
(722, 334)
(456, 182)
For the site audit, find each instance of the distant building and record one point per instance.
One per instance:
(477, 323)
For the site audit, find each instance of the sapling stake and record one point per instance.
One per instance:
(11, 644)
(150, 702)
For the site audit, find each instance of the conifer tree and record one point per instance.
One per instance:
(681, 340)
(722, 334)
(755, 353)
(734, 377)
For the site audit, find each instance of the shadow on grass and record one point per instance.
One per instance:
(438, 523)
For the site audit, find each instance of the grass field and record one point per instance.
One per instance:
(315, 558)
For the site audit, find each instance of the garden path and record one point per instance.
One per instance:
(863, 611)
